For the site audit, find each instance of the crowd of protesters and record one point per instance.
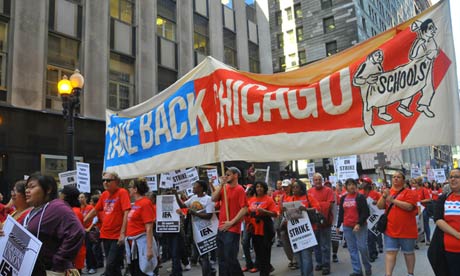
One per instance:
(82, 233)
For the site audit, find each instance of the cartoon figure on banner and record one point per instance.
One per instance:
(381, 88)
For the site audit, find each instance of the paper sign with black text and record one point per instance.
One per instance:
(439, 175)
(301, 233)
(204, 233)
(213, 176)
(83, 177)
(152, 183)
(68, 178)
(168, 221)
(18, 249)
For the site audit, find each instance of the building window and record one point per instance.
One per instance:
(329, 24)
(290, 37)
(3, 59)
(166, 28)
(166, 77)
(293, 59)
(298, 11)
(121, 82)
(200, 37)
(289, 13)
(251, 12)
(302, 57)
(363, 20)
(63, 58)
(65, 17)
(201, 7)
(331, 48)
(254, 62)
(299, 31)
(326, 4)
(230, 55)
(282, 63)
(280, 40)
(228, 3)
(122, 10)
(278, 18)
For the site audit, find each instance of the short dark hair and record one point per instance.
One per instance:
(263, 184)
(141, 185)
(350, 181)
(71, 194)
(46, 182)
(20, 187)
(203, 185)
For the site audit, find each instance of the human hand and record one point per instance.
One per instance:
(121, 239)
(149, 254)
(226, 226)
(356, 228)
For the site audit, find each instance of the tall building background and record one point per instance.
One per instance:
(305, 31)
(127, 50)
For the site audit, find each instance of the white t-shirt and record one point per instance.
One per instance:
(200, 203)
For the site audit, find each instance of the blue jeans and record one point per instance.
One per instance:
(227, 253)
(246, 244)
(426, 225)
(323, 249)
(357, 245)
(113, 257)
(305, 261)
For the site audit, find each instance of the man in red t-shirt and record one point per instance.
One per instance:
(116, 204)
(228, 236)
(325, 196)
(278, 197)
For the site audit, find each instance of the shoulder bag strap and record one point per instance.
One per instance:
(391, 205)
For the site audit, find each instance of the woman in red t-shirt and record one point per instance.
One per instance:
(140, 246)
(308, 203)
(436, 191)
(401, 232)
(447, 217)
(353, 213)
(18, 197)
(262, 209)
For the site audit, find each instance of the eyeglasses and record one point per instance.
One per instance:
(454, 176)
(107, 179)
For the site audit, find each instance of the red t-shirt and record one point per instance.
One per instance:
(84, 211)
(311, 202)
(436, 193)
(423, 193)
(140, 214)
(350, 210)
(236, 197)
(113, 206)
(325, 196)
(374, 195)
(278, 196)
(79, 260)
(264, 202)
(401, 223)
(452, 217)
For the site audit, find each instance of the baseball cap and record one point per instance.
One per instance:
(234, 170)
(285, 183)
(367, 179)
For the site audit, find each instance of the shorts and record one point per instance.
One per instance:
(394, 244)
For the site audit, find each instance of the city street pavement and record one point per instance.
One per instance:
(343, 267)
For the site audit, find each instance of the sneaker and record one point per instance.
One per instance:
(326, 271)
(91, 271)
(188, 267)
(294, 266)
(84, 271)
(254, 270)
(169, 269)
(318, 268)
(335, 259)
(245, 268)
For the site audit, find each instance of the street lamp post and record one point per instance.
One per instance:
(70, 90)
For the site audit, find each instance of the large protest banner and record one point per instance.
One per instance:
(382, 94)
(18, 249)
(168, 221)
(204, 233)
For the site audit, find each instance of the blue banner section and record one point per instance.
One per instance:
(164, 129)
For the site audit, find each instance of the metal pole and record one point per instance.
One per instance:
(70, 132)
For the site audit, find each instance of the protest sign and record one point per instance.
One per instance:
(83, 177)
(204, 233)
(165, 181)
(68, 178)
(168, 221)
(152, 183)
(310, 171)
(439, 175)
(213, 176)
(301, 235)
(346, 167)
(334, 235)
(415, 172)
(18, 249)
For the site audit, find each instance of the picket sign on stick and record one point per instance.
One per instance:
(225, 191)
